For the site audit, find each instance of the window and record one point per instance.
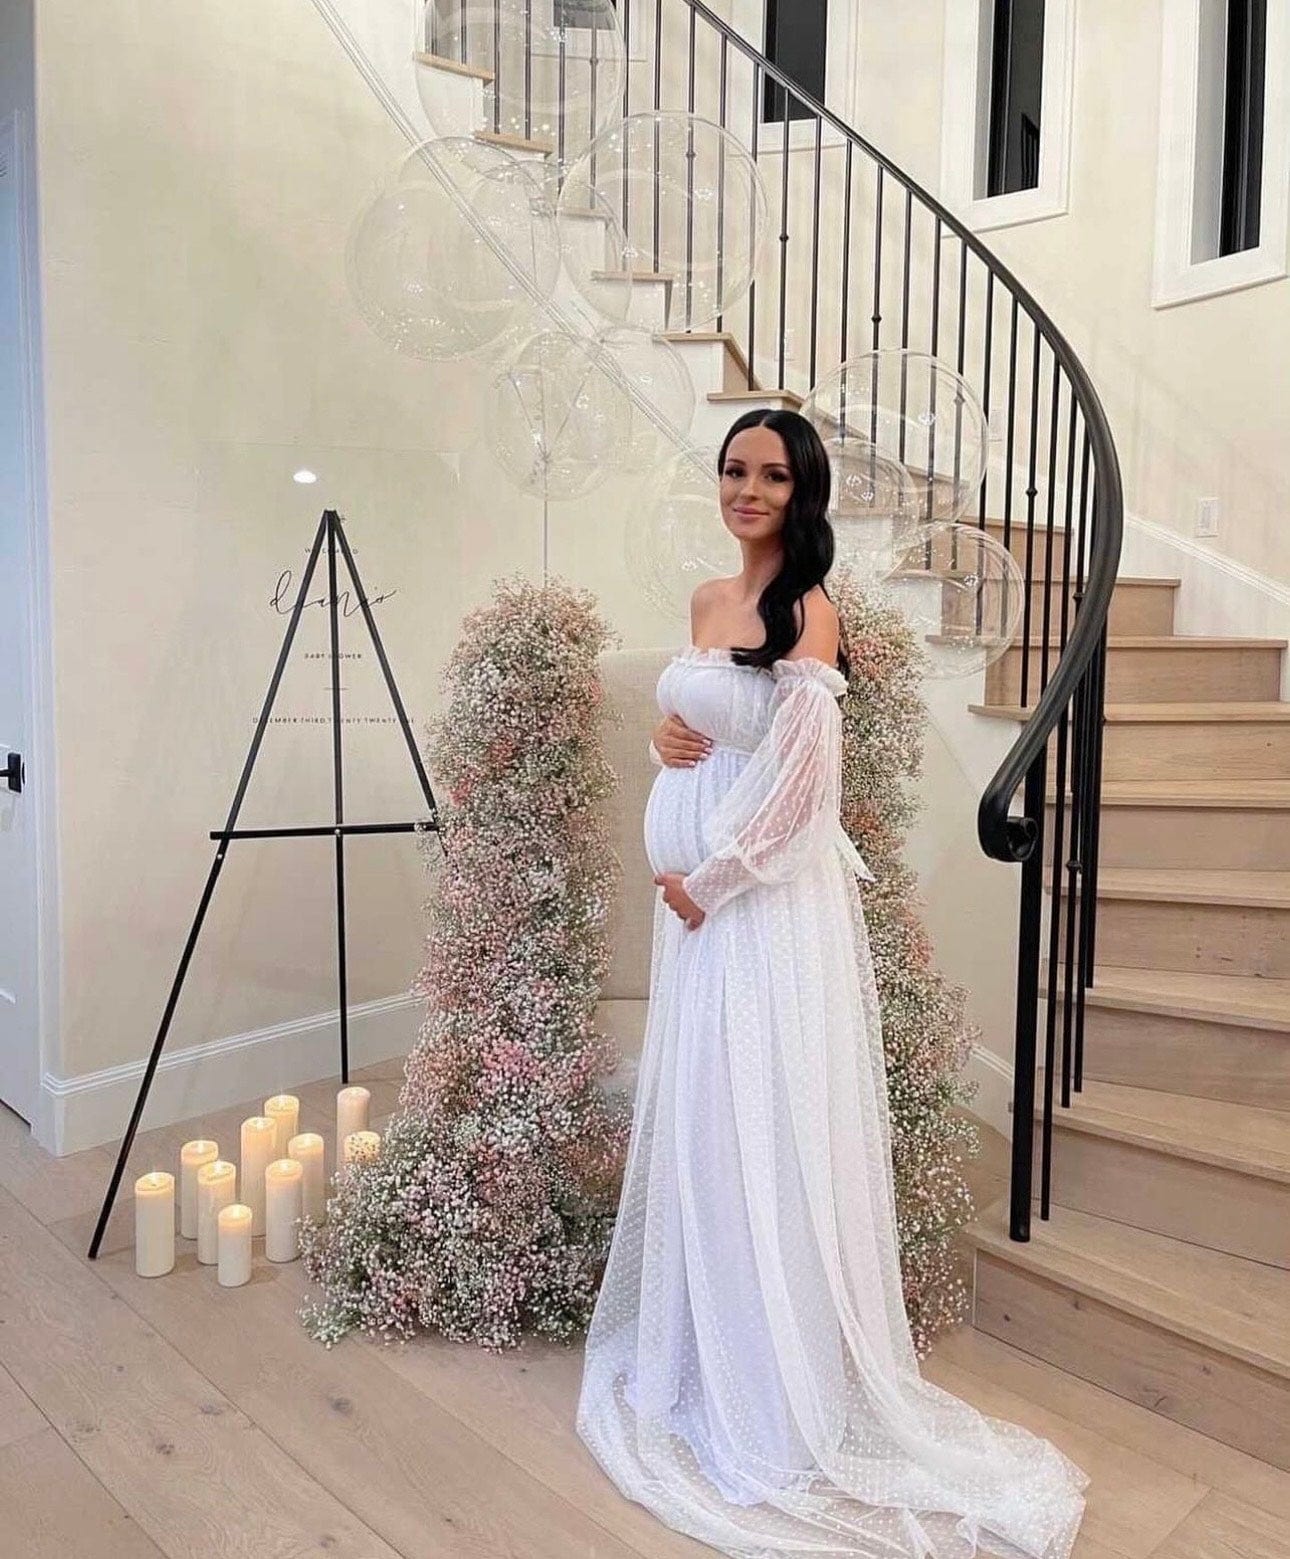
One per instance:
(796, 41)
(1005, 130)
(1221, 203)
(1016, 96)
(1246, 44)
(576, 13)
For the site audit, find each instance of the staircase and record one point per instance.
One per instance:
(1163, 1272)
(1160, 1265)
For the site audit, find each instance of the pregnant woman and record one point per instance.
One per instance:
(749, 1374)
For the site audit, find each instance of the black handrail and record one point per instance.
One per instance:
(1003, 837)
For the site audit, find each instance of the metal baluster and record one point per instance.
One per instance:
(752, 291)
(689, 188)
(1088, 708)
(986, 367)
(783, 241)
(815, 250)
(721, 179)
(1032, 492)
(876, 316)
(562, 99)
(1010, 439)
(844, 348)
(658, 103)
(935, 342)
(1069, 866)
(1023, 1088)
(528, 71)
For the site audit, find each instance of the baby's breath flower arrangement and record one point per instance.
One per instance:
(926, 1035)
(489, 1210)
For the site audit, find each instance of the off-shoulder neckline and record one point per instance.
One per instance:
(722, 654)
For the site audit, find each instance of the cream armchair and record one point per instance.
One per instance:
(629, 678)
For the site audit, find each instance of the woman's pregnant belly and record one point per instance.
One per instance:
(679, 802)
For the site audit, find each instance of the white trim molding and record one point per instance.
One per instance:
(841, 74)
(994, 1077)
(89, 1110)
(1190, 139)
(965, 120)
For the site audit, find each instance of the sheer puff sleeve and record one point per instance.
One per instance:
(782, 812)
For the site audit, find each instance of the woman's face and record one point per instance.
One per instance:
(756, 484)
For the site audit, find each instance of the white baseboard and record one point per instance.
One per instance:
(1219, 596)
(993, 1076)
(85, 1111)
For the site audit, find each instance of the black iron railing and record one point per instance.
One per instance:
(863, 258)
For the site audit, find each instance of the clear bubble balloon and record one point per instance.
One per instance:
(556, 67)
(557, 417)
(915, 410)
(686, 217)
(963, 594)
(679, 540)
(657, 373)
(873, 508)
(592, 243)
(456, 252)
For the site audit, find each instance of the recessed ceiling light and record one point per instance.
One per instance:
(305, 477)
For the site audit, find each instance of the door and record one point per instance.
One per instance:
(19, 1008)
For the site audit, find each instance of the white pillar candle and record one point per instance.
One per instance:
(259, 1136)
(361, 1145)
(234, 1267)
(154, 1224)
(284, 1181)
(191, 1158)
(307, 1150)
(352, 1106)
(216, 1189)
(284, 1110)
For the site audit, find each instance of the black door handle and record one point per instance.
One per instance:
(14, 771)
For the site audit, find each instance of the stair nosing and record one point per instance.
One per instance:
(1111, 887)
(1142, 1133)
(1206, 796)
(1046, 1261)
(1185, 1007)
(1205, 712)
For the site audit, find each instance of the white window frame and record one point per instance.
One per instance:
(966, 116)
(841, 75)
(1185, 124)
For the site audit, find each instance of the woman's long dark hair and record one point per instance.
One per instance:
(807, 535)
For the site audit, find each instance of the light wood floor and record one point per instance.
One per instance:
(172, 1417)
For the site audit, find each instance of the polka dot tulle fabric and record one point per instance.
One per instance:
(749, 1373)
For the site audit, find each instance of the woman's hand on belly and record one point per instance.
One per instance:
(676, 898)
(679, 745)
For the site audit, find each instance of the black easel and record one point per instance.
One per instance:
(330, 531)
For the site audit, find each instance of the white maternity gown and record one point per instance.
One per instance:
(749, 1373)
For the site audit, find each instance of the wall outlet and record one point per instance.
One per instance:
(1207, 517)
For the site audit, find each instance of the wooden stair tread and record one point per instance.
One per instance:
(1187, 885)
(633, 276)
(516, 143)
(710, 337)
(1232, 1136)
(1227, 1303)
(1233, 712)
(1165, 642)
(1242, 1000)
(790, 396)
(456, 67)
(1252, 793)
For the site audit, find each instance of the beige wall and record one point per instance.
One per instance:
(199, 182)
(1195, 393)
